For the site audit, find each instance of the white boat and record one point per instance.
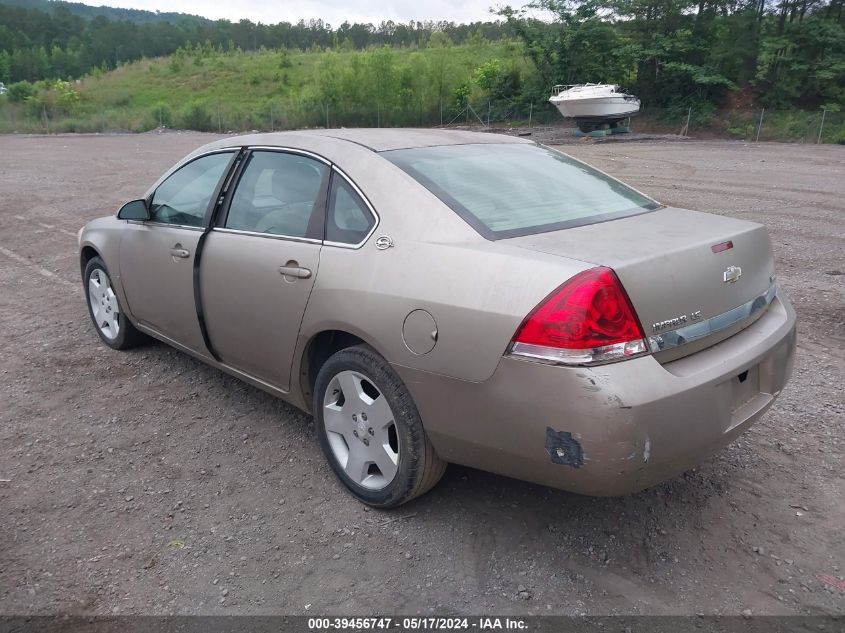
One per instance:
(594, 102)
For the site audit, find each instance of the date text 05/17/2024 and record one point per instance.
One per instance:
(416, 623)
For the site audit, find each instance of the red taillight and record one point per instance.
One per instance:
(588, 319)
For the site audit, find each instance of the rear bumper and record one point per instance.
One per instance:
(613, 429)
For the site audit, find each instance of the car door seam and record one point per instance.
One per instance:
(222, 189)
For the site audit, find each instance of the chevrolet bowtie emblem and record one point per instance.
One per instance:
(732, 274)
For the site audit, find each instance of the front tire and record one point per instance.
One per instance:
(111, 323)
(370, 430)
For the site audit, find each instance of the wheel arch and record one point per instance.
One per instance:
(86, 254)
(319, 348)
(101, 238)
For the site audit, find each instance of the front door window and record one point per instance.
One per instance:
(184, 197)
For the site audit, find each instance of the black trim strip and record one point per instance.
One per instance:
(219, 219)
(317, 222)
(220, 193)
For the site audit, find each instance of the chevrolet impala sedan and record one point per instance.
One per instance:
(434, 296)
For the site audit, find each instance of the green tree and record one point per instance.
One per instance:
(383, 76)
(805, 63)
(460, 96)
(329, 79)
(29, 64)
(577, 46)
(5, 67)
(440, 44)
(488, 75)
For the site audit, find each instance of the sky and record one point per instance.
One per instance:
(335, 12)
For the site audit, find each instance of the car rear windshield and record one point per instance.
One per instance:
(508, 190)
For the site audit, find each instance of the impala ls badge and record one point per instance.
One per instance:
(732, 274)
(676, 322)
(669, 324)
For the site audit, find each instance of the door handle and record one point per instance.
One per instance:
(295, 271)
(178, 251)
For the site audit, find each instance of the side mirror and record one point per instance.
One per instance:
(134, 210)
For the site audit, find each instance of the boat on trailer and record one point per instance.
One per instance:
(594, 105)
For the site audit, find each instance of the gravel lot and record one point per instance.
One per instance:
(148, 483)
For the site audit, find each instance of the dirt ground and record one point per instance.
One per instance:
(148, 483)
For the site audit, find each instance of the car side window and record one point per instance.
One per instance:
(184, 196)
(277, 194)
(349, 220)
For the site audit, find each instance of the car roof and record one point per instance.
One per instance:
(374, 139)
(386, 139)
(354, 149)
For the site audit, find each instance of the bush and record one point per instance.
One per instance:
(66, 96)
(196, 117)
(161, 115)
(21, 91)
(701, 113)
(836, 133)
(744, 131)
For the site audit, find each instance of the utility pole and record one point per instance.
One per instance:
(530, 113)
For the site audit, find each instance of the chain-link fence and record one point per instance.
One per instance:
(797, 126)
(803, 126)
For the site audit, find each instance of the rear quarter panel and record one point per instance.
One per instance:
(477, 291)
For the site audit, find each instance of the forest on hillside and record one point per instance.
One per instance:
(66, 43)
(679, 56)
(788, 52)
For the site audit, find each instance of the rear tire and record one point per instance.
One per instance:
(370, 430)
(110, 322)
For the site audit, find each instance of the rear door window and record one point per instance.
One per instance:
(508, 190)
(279, 194)
(349, 219)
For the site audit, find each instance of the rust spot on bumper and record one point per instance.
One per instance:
(563, 448)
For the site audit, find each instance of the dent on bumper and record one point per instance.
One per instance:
(612, 429)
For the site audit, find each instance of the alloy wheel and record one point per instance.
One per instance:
(103, 301)
(361, 430)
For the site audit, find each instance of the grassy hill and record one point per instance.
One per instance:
(204, 88)
(209, 89)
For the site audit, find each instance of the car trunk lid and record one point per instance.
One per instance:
(694, 278)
